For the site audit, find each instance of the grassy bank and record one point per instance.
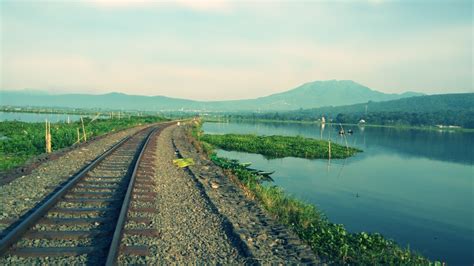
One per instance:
(279, 146)
(20, 141)
(331, 242)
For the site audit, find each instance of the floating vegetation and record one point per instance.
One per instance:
(279, 146)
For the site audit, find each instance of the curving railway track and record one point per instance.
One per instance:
(86, 216)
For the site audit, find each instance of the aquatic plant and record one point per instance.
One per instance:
(279, 146)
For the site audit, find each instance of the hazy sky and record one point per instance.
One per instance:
(234, 49)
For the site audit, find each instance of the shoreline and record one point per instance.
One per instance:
(326, 239)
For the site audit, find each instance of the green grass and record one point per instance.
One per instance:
(279, 146)
(331, 242)
(20, 141)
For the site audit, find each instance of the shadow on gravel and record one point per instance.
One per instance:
(39, 204)
(229, 230)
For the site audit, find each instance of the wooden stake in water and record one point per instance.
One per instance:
(329, 146)
(329, 142)
(329, 149)
(83, 130)
(345, 139)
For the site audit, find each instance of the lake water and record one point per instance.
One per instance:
(413, 186)
(35, 117)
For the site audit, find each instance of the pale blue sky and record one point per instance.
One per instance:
(234, 49)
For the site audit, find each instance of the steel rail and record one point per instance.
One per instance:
(118, 233)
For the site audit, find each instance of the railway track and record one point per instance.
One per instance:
(87, 216)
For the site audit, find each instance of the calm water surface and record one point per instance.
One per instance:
(413, 186)
(34, 117)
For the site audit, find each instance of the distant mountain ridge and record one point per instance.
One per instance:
(453, 102)
(455, 109)
(309, 95)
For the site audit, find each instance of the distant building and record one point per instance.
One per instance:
(447, 126)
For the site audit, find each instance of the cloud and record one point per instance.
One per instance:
(119, 3)
(376, 2)
(207, 56)
(205, 5)
(241, 68)
(68, 73)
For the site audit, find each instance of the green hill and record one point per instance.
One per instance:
(443, 109)
(431, 103)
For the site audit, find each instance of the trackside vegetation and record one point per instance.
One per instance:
(331, 242)
(20, 141)
(279, 146)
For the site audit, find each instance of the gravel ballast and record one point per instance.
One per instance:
(266, 239)
(190, 230)
(199, 222)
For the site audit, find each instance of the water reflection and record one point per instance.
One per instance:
(435, 145)
(36, 117)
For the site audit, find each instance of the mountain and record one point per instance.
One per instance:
(117, 101)
(309, 95)
(326, 93)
